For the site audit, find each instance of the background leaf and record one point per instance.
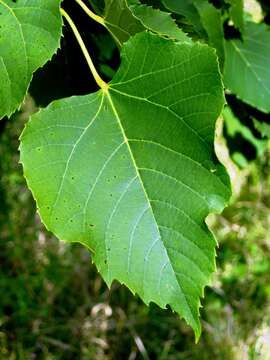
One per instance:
(29, 35)
(120, 21)
(131, 172)
(125, 18)
(211, 20)
(263, 128)
(237, 132)
(246, 70)
(188, 10)
(159, 22)
(236, 12)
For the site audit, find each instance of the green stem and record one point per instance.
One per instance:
(102, 84)
(90, 13)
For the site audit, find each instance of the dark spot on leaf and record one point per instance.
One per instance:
(105, 261)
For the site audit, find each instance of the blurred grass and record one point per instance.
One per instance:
(54, 305)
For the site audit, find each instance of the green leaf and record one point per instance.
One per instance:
(246, 69)
(97, 5)
(159, 22)
(30, 34)
(211, 20)
(236, 12)
(125, 18)
(234, 127)
(130, 172)
(263, 128)
(187, 9)
(120, 21)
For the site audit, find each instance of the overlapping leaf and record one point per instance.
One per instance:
(131, 173)
(188, 10)
(211, 20)
(158, 21)
(246, 71)
(30, 33)
(236, 11)
(125, 18)
(263, 128)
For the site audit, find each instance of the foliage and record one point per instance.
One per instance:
(131, 170)
(30, 35)
(249, 59)
(54, 304)
(143, 156)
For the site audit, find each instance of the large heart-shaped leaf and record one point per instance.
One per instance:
(246, 70)
(130, 171)
(30, 32)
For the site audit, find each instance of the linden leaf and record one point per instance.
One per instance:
(211, 20)
(30, 32)
(246, 69)
(130, 171)
(125, 18)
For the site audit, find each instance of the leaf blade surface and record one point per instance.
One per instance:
(135, 175)
(249, 60)
(30, 34)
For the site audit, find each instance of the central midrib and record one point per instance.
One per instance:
(106, 93)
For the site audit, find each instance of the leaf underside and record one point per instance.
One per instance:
(246, 70)
(131, 172)
(30, 34)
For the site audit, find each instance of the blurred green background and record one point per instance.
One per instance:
(54, 304)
